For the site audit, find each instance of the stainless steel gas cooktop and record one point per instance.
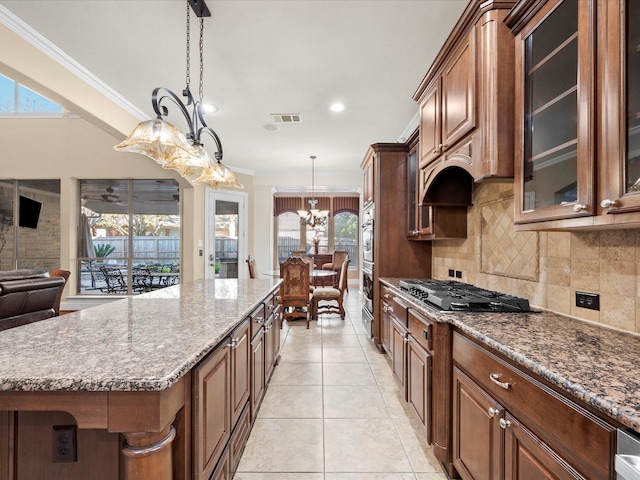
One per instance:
(462, 297)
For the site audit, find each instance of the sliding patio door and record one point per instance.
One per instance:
(226, 235)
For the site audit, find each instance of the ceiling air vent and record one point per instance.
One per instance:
(286, 117)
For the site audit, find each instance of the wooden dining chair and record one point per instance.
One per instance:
(295, 297)
(339, 256)
(64, 274)
(253, 268)
(330, 300)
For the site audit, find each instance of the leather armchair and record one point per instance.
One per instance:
(27, 296)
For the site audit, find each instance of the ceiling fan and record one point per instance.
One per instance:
(109, 197)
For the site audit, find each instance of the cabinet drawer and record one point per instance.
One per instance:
(239, 437)
(421, 330)
(270, 305)
(257, 319)
(394, 306)
(583, 439)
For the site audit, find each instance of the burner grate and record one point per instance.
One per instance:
(462, 297)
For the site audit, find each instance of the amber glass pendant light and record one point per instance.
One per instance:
(168, 145)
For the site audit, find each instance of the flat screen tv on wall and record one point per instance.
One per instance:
(28, 212)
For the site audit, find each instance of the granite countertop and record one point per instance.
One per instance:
(146, 342)
(598, 365)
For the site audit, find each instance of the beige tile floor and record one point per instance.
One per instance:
(333, 411)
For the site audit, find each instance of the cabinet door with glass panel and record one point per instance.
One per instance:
(555, 111)
(619, 42)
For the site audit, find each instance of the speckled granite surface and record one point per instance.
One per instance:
(145, 342)
(597, 365)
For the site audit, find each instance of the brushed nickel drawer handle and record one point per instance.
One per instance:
(387, 295)
(493, 412)
(495, 378)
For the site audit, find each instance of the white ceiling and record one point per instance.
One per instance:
(264, 57)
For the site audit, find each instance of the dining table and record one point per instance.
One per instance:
(313, 273)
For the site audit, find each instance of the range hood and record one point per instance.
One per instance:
(451, 187)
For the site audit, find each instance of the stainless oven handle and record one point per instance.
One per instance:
(627, 466)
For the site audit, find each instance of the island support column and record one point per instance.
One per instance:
(148, 455)
(147, 420)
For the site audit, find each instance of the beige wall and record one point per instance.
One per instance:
(545, 267)
(262, 227)
(72, 149)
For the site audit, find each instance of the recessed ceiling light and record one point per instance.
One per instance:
(270, 127)
(209, 108)
(337, 107)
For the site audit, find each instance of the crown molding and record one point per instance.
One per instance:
(38, 41)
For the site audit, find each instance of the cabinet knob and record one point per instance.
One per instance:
(493, 412)
(387, 295)
(608, 203)
(578, 207)
(495, 378)
(406, 338)
(504, 423)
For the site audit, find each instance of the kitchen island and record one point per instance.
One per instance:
(122, 371)
(571, 382)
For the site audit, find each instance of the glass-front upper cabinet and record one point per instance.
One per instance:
(620, 19)
(554, 136)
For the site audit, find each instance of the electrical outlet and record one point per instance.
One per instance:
(458, 274)
(588, 300)
(451, 272)
(65, 443)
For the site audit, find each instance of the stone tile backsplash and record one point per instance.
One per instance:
(545, 267)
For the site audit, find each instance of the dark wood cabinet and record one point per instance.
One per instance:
(240, 370)
(419, 369)
(429, 222)
(223, 470)
(368, 190)
(477, 436)
(508, 425)
(555, 131)
(491, 444)
(579, 167)
(394, 255)
(258, 385)
(211, 423)
(466, 99)
(448, 105)
(398, 340)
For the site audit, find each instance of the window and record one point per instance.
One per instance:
(30, 224)
(345, 234)
(288, 231)
(340, 232)
(129, 238)
(16, 99)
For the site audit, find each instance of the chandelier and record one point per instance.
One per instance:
(168, 145)
(313, 217)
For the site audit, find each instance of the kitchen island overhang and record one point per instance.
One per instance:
(123, 366)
